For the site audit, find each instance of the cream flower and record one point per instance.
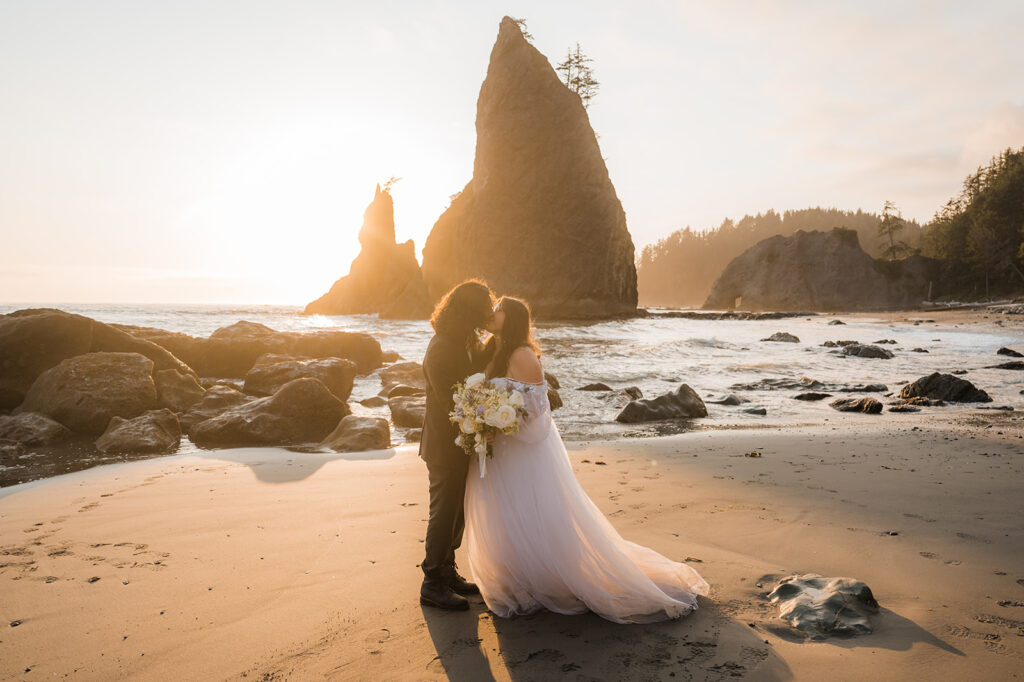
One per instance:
(467, 425)
(475, 380)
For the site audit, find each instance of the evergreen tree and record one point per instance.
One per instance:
(889, 228)
(578, 76)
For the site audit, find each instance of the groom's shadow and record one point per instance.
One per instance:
(475, 644)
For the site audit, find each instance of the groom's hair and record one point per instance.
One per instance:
(463, 309)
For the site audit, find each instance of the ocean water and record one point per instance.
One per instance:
(657, 354)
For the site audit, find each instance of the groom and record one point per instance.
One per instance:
(453, 354)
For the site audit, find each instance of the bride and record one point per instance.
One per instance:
(534, 538)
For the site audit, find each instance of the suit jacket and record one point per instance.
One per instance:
(447, 362)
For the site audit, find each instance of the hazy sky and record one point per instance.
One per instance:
(221, 151)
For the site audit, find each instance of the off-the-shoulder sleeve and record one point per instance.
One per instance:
(537, 424)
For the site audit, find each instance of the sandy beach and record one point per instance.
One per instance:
(262, 563)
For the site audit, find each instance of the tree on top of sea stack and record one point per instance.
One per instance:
(384, 278)
(540, 218)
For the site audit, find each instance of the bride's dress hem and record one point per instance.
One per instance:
(536, 541)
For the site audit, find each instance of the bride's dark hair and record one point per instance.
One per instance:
(515, 333)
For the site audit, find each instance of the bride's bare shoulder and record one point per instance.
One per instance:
(524, 365)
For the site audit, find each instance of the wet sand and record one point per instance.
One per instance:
(261, 563)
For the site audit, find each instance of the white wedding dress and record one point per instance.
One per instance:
(535, 540)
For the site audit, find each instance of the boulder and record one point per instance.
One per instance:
(84, 392)
(217, 399)
(1010, 352)
(890, 341)
(11, 451)
(34, 340)
(596, 387)
(918, 350)
(824, 271)
(811, 395)
(820, 607)
(833, 344)
(384, 278)
(833, 322)
(32, 428)
(374, 401)
(682, 403)
(730, 399)
(356, 434)
(301, 411)
(1013, 364)
(177, 391)
(408, 411)
(945, 387)
(621, 397)
(865, 405)
(552, 380)
(784, 337)
(414, 435)
(554, 399)
(755, 410)
(399, 390)
(540, 218)
(903, 407)
(153, 432)
(867, 351)
(408, 373)
(271, 372)
(232, 351)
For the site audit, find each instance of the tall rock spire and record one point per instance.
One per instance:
(540, 218)
(384, 278)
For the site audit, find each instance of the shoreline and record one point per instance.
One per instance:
(262, 562)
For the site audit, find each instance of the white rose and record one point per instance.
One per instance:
(505, 417)
(467, 425)
(475, 380)
(516, 399)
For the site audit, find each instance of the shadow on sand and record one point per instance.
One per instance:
(707, 644)
(278, 465)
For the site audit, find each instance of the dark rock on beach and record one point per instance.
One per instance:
(682, 403)
(217, 399)
(820, 607)
(867, 351)
(408, 373)
(554, 399)
(596, 387)
(834, 322)
(84, 392)
(356, 434)
(730, 399)
(399, 390)
(540, 218)
(1010, 352)
(945, 387)
(811, 395)
(552, 380)
(865, 405)
(153, 432)
(904, 407)
(785, 337)
(176, 391)
(384, 278)
(408, 411)
(32, 428)
(302, 411)
(34, 340)
(1013, 364)
(271, 372)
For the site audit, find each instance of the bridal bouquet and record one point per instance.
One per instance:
(484, 409)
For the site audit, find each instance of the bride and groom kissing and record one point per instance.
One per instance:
(534, 538)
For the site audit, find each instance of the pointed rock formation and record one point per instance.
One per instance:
(384, 278)
(540, 218)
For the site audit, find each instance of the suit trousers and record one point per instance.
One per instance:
(447, 520)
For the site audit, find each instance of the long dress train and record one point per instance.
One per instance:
(535, 540)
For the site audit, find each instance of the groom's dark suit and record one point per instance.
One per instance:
(446, 362)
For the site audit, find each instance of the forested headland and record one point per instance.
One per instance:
(977, 234)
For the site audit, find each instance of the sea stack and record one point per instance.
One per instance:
(384, 278)
(540, 218)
